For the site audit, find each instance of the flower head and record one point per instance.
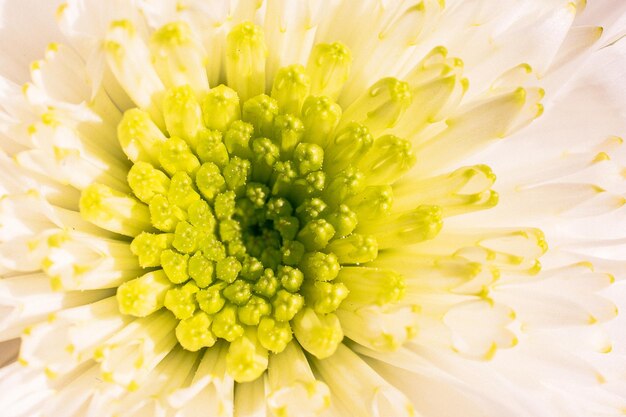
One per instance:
(255, 207)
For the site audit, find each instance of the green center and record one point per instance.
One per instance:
(254, 217)
(243, 220)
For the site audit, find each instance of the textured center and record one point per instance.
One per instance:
(254, 213)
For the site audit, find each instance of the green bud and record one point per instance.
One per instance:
(186, 238)
(252, 312)
(319, 266)
(318, 334)
(267, 285)
(148, 247)
(257, 194)
(140, 138)
(226, 325)
(143, 296)
(224, 206)
(271, 256)
(290, 278)
(236, 174)
(220, 108)
(316, 234)
(274, 335)
(264, 155)
(251, 268)
(348, 147)
(292, 252)
(278, 207)
(246, 213)
(260, 112)
(283, 178)
(324, 297)
(181, 191)
(315, 182)
(291, 86)
(308, 157)
(237, 139)
(230, 231)
(165, 215)
(201, 216)
(329, 68)
(286, 305)
(176, 156)
(288, 132)
(388, 159)
(320, 116)
(201, 270)
(354, 249)
(181, 301)
(182, 114)
(311, 209)
(343, 220)
(287, 227)
(227, 269)
(211, 300)
(342, 186)
(212, 248)
(237, 249)
(238, 293)
(210, 181)
(194, 333)
(147, 181)
(311, 185)
(210, 147)
(246, 359)
(175, 266)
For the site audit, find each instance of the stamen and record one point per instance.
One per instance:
(329, 68)
(144, 295)
(114, 211)
(291, 86)
(245, 60)
(183, 115)
(320, 116)
(319, 334)
(381, 107)
(220, 108)
(247, 359)
(260, 112)
(146, 181)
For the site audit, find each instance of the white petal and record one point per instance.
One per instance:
(250, 399)
(27, 299)
(16, 53)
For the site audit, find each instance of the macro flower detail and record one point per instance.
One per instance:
(272, 208)
(257, 219)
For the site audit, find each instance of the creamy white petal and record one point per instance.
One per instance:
(19, 51)
(28, 299)
(359, 388)
(250, 399)
(493, 321)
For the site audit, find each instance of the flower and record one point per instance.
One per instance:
(291, 209)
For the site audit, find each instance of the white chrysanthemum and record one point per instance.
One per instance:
(290, 208)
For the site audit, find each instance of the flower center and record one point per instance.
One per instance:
(254, 216)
